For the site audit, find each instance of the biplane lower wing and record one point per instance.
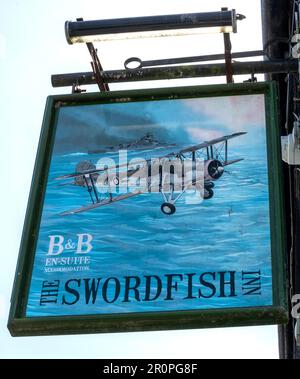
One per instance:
(100, 203)
(214, 153)
(190, 149)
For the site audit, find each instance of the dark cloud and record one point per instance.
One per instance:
(85, 128)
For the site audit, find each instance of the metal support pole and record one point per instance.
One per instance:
(276, 20)
(139, 64)
(175, 72)
(228, 57)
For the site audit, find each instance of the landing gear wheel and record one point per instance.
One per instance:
(210, 185)
(208, 193)
(168, 208)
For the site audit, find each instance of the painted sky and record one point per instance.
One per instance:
(182, 122)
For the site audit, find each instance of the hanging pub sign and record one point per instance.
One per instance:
(154, 209)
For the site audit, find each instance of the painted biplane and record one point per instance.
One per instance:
(214, 156)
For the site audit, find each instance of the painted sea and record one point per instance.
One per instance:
(228, 234)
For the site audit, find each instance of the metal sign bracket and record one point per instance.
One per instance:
(96, 66)
(165, 69)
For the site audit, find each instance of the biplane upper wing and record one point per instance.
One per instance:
(170, 155)
(210, 143)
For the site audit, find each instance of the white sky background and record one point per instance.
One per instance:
(32, 47)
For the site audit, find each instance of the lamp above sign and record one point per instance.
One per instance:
(151, 210)
(224, 21)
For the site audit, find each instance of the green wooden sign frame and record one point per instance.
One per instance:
(20, 325)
